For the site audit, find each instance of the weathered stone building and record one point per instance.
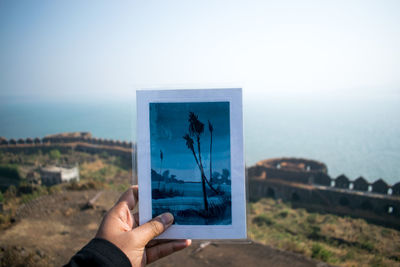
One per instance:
(67, 137)
(291, 180)
(52, 175)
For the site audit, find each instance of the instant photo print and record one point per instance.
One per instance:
(190, 161)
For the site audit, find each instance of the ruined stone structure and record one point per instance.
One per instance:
(307, 184)
(80, 141)
(67, 137)
(52, 175)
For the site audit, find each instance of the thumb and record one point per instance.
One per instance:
(153, 228)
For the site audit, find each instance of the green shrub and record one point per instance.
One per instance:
(1, 197)
(10, 193)
(367, 245)
(284, 213)
(38, 191)
(312, 218)
(386, 232)
(55, 154)
(376, 261)
(350, 255)
(10, 171)
(54, 189)
(320, 253)
(104, 155)
(263, 220)
(315, 232)
(4, 219)
(250, 208)
(85, 185)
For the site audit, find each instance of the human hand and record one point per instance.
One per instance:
(120, 227)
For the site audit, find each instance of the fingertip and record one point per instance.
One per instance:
(167, 218)
(164, 249)
(181, 244)
(135, 191)
(134, 188)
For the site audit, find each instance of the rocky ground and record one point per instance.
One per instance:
(50, 229)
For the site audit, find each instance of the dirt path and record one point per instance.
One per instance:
(246, 255)
(57, 226)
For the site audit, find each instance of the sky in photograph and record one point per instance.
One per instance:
(81, 50)
(169, 123)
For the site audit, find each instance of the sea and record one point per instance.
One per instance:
(356, 134)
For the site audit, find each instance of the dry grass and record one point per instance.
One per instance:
(338, 240)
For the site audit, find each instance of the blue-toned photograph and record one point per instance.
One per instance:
(191, 162)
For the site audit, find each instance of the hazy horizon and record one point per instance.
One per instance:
(79, 51)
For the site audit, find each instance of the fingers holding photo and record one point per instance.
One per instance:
(130, 197)
(164, 249)
(153, 228)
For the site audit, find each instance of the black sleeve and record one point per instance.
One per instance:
(99, 252)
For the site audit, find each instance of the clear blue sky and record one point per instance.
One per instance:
(56, 50)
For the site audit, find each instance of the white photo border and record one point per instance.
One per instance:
(238, 229)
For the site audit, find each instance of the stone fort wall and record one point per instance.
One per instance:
(305, 183)
(80, 141)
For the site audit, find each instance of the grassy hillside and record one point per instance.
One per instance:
(337, 240)
(96, 172)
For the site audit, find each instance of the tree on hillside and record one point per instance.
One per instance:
(10, 171)
(55, 154)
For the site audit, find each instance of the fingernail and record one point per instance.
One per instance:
(181, 244)
(167, 218)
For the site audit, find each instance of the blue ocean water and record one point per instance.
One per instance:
(354, 134)
(37, 119)
(189, 201)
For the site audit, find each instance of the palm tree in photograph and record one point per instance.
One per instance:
(211, 129)
(190, 145)
(196, 128)
(161, 160)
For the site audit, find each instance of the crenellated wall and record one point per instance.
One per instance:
(304, 182)
(80, 141)
(295, 170)
(315, 190)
